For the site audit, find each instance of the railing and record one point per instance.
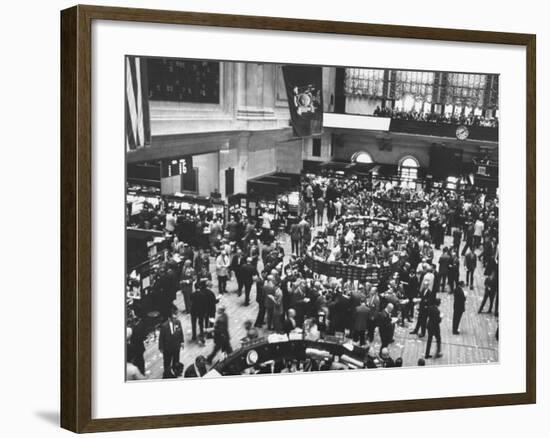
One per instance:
(440, 129)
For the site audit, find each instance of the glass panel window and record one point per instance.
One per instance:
(468, 89)
(367, 82)
(465, 89)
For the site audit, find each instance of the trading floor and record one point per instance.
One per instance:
(476, 342)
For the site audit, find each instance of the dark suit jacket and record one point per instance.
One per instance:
(385, 325)
(459, 304)
(370, 363)
(199, 303)
(268, 290)
(444, 262)
(295, 232)
(170, 341)
(454, 266)
(260, 292)
(434, 318)
(139, 334)
(192, 371)
(211, 302)
(412, 286)
(361, 318)
(247, 273)
(289, 325)
(426, 298)
(471, 261)
(237, 263)
(221, 328)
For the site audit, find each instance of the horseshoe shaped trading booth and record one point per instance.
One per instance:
(276, 353)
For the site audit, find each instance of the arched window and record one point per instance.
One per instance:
(362, 157)
(408, 171)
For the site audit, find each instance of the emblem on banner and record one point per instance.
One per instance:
(306, 99)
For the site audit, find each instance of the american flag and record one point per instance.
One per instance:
(138, 125)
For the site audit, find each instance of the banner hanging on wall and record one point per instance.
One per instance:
(305, 98)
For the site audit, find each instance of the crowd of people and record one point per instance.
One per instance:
(469, 119)
(340, 221)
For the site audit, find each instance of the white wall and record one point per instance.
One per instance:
(362, 105)
(30, 390)
(207, 164)
(261, 162)
(288, 156)
(170, 185)
(307, 148)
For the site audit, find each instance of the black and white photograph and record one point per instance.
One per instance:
(290, 218)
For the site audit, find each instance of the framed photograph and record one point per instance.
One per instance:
(268, 219)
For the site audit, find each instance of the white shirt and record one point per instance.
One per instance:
(350, 237)
(266, 220)
(478, 228)
(170, 222)
(429, 276)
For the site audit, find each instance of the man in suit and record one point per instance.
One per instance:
(385, 326)
(411, 287)
(491, 289)
(459, 305)
(201, 261)
(254, 252)
(139, 334)
(426, 299)
(210, 302)
(290, 321)
(470, 260)
(277, 310)
(360, 322)
(221, 335)
(269, 300)
(305, 234)
(429, 278)
(295, 236)
(222, 271)
(199, 311)
(187, 278)
(248, 274)
(162, 290)
(171, 342)
(457, 238)
(434, 330)
(444, 261)
(373, 303)
(454, 270)
(187, 252)
(320, 208)
(196, 369)
(237, 261)
(385, 359)
(339, 310)
(233, 229)
(260, 299)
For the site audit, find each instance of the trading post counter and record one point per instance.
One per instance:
(277, 348)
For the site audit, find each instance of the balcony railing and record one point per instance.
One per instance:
(438, 129)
